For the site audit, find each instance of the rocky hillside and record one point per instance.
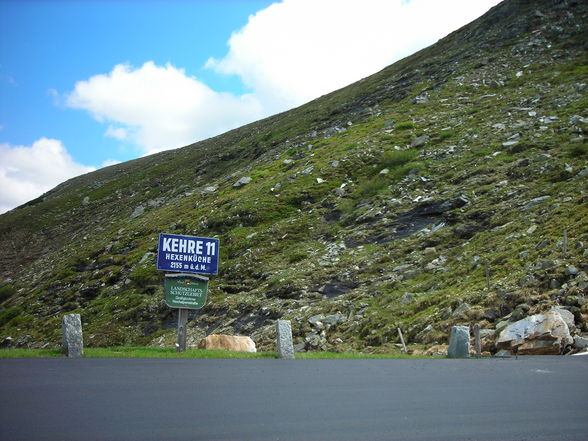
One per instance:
(449, 188)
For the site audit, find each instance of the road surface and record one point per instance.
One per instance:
(532, 398)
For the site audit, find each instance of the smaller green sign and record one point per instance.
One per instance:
(185, 291)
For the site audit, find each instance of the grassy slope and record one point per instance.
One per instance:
(283, 236)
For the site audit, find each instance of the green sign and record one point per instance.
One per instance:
(185, 291)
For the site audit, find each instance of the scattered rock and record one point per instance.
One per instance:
(138, 211)
(460, 310)
(322, 321)
(420, 141)
(242, 182)
(509, 143)
(406, 298)
(571, 270)
(209, 190)
(422, 98)
(534, 202)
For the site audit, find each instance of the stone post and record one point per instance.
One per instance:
(284, 339)
(459, 342)
(71, 335)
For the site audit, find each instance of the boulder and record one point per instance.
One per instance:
(238, 343)
(541, 334)
(567, 317)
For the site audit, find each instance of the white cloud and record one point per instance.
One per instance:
(27, 172)
(297, 50)
(116, 133)
(160, 107)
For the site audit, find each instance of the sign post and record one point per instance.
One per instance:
(189, 256)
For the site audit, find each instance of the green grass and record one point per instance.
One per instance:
(30, 353)
(145, 352)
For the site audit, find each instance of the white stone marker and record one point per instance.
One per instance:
(284, 339)
(459, 342)
(71, 335)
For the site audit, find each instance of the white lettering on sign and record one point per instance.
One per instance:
(176, 245)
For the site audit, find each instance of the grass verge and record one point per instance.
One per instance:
(144, 352)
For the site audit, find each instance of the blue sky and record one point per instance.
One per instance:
(84, 84)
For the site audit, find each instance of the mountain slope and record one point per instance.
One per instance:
(380, 205)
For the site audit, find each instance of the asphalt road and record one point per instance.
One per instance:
(540, 398)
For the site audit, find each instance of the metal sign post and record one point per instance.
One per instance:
(182, 331)
(188, 256)
(185, 292)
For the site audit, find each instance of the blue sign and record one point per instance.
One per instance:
(187, 254)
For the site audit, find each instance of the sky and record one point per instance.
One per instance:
(86, 84)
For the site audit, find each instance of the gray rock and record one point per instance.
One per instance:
(422, 99)
(299, 347)
(406, 298)
(580, 342)
(509, 143)
(460, 309)
(534, 202)
(86, 200)
(571, 270)
(72, 338)
(567, 317)
(145, 257)
(242, 182)
(307, 170)
(284, 339)
(420, 141)
(459, 342)
(541, 334)
(503, 353)
(138, 211)
(209, 190)
(326, 321)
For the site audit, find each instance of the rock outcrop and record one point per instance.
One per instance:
(540, 334)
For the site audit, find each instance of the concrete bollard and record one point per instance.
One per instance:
(71, 335)
(284, 339)
(459, 342)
